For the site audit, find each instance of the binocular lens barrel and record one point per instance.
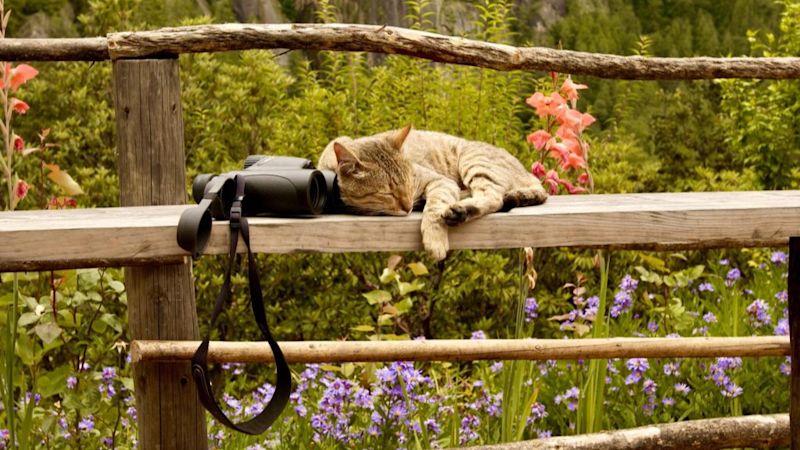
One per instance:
(293, 191)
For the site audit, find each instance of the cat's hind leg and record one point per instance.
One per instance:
(527, 196)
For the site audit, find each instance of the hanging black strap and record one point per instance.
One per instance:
(283, 386)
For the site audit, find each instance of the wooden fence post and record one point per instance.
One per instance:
(161, 303)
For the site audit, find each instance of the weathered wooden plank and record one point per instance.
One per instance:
(467, 350)
(667, 221)
(161, 302)
(441, 48)
(760, 431)
(54, 49)
(391, 40)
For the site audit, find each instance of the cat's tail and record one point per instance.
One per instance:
(527, 196)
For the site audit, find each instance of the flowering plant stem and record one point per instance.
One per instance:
(593, 392)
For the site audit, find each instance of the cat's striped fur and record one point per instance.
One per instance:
(460, 180)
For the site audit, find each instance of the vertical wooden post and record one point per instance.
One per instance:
(161, 302)
(794, 338)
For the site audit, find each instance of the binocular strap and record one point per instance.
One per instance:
(283, 386)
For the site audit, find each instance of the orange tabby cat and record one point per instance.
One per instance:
(459, 180)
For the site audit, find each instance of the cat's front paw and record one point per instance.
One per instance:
(458, 214)
(434, 239)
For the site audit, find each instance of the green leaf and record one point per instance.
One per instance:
(27, 318)
(377, 296)
(7, 299)
(117, 286)
(112, 321)
(418, 268)
(388, 276)
(26, 349)
(363, 328)
(48, 332)
(54, 381)
(127, 382)
(404, 305)
(407, 288)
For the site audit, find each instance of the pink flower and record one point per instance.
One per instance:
(21, 190)
(538, 139)
(570, 89)
(19, 106)
(572, 189)
(538, 170)
(583, 178)
(19, 75)
(573, 161)
(19, 143)
(573, 146)
(552, 181)
(566, 133)
(545, 105)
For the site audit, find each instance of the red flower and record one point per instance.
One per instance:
(19, 106)
(583, 178)
(19, 143)
(538, 139)
(21, 190)
(538, 170)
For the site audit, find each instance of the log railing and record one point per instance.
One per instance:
(149, 122)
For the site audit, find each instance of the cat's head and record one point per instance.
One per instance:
(374, 176)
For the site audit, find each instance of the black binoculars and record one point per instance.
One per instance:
(268, 185)
(279, 185)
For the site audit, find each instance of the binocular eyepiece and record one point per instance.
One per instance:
(280, 185)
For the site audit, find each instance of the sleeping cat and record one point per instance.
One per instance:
(459, 180)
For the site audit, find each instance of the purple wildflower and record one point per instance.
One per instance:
(709, 317)
(682, 388)
(668, 401)
(759, 310)
(467, 430)
(724, 262)
(496, 367)
(538, 412)
(637, 364)
(109, 373)
(478, 335)
(107, 441)
(622, 302)
(782, 328)
(779, 258)
(531, 308)
(628, 284)
(86, 424)
(433, 426)
(649, 386)
(672, 369)
(782, 296)
(705, 287)
(786, 367)
(652, 327)
(732, 276)
(731, 390)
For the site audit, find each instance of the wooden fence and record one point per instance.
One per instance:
(140, 235)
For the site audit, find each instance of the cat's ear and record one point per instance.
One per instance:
(399, 137)
(348, 164)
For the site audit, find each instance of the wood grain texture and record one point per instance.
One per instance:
(161, 302)
(761, 431)
(119, 236)
(440, 48)
(307, 352)
(54, 49)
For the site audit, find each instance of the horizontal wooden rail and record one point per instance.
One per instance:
(392, 40)
(468, 350)
(40, 240)
(761, 431)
